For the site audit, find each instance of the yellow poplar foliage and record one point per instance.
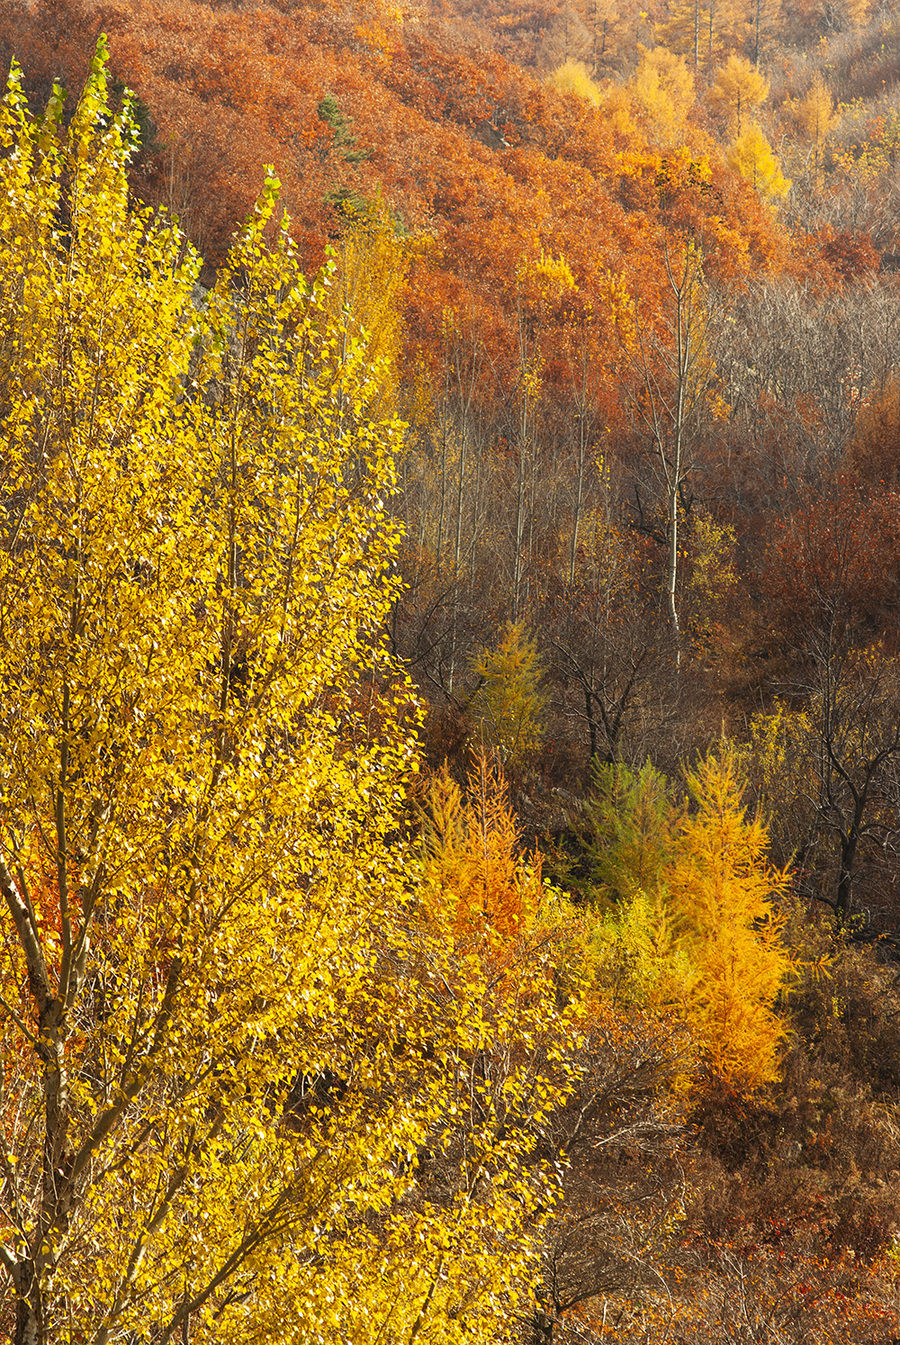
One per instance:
(779, 741)
(787, 769)
(603, 558)
(720, 890)
(226, 1046)
(713, 572)
(508, 704)
(664, 87)
(619, 109)
(752, 156)
(477, 885)
(371, 261)
(737, 89)
(554, 275)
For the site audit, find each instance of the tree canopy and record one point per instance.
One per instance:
(220, 1108)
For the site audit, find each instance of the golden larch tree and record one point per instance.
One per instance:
(664, 88)
(737, 91)
(816, 117)
(509, 703)
(721, 898)
(751, 155)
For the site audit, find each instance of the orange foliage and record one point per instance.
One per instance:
(485, 162)
(875, 447)
(721, 895)
(833, 564)
(474, 870)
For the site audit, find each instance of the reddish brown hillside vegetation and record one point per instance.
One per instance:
(487, 164)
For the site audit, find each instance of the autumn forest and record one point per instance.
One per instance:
(449, 672)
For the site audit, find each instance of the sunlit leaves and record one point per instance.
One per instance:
(751, 155)
(695, 922)
(508, 703)
(664, 88)
(234, 1056)
(720, 895)
(737, 91)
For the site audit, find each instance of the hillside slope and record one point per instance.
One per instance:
(482, 160)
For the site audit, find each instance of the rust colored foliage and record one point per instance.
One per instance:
(850, 256)
(831, 569)
(875, 448)
(485, 164)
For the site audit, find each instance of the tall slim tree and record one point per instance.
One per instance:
(673, 373)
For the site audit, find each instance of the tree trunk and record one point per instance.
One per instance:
(542, 1327)
(672, 569)
(844, 894)
(579, 497)
(28, 1306)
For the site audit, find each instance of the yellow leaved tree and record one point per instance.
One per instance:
(752, 156)
(508, 703)
(664, 87)
(815, 117)
(695, 929)
(703, 30)
(737, 90)
(489, 893)
(372, 257)
(522, 1020)
(228, 1049)
(574, 77)
(720, 891)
